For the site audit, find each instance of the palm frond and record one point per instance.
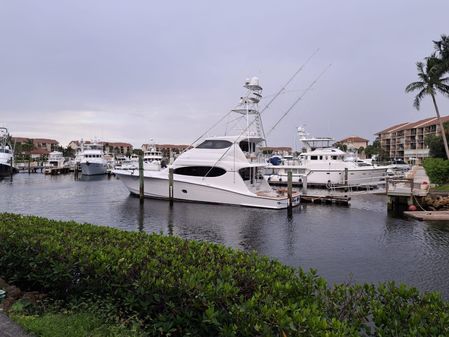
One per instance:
(414, 86)
(418, 98)
(443, 88)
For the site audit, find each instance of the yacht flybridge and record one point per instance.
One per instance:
(222, 170)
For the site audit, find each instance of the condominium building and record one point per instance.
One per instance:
(406, 140)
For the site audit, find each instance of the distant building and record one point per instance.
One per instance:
(167, 149)
(42, 146)
(117, 148)
(354, 142)
(108, 147)
(279, 150)
(406, 140)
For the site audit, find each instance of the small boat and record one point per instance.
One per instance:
(7, 167)
(223, 170)
(92, 160)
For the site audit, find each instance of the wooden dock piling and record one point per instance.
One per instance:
(141, 180)
(346, 179)
(11, 170)
(289, 193)
(304, 184)
(170, 185)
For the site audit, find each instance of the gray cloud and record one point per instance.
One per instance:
(135, 70)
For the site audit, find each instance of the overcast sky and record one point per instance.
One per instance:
(134, 70)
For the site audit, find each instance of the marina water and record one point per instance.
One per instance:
(360, 243)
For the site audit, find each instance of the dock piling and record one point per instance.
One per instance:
(170, 185)
(304, 184)
(346, 179)
(141, 180)
(10, 171)
(289, 193)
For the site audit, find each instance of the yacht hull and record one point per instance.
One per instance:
(91, 169)
(322, 177)
(157, 187)
(5, 170)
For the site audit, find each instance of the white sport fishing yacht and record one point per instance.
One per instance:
(92, 160)
(324, 165)
(222, 170)
(6, 154)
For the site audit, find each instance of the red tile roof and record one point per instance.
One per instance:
(353, 139)
(392, 128)
(45, 140)
(434, 121)
(415, 124)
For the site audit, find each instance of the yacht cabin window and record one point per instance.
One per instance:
(214, 144)
(313, 157)
(247, 146)
(248, 173)
(200, 171)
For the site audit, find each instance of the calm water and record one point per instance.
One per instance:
(360, 243)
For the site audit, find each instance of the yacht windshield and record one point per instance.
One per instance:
(214, 144)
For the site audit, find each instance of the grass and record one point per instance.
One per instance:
(442, 188)
(67, 324)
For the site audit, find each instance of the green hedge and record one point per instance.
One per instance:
(178, 287)
(437, 169)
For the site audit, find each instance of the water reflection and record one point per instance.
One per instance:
(361, 241)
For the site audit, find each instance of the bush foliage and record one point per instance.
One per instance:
(437, 169)
(179, 288)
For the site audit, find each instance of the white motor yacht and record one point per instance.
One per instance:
(6, 154)
(222, 170)
(324, 165)
(152, 158)
(55, 160)
(92, 159)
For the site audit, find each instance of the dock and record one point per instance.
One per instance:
(428, 215)
(404, 192)
(326, 199)
(56, 170)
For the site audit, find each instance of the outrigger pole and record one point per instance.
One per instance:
(269, 103)
(300, 97)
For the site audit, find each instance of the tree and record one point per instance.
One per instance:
(436, 145)
(442, 54)
(341, 146)
(27, 147)
(431, 82)
(139, 152)
(68, 152)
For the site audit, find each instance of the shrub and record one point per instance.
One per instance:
(179, 287)
(437, 169)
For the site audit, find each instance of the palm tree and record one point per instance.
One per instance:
(442, 49)
(441, 56)
(430, 83)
